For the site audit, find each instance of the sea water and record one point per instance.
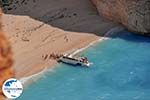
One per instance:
(120, 71)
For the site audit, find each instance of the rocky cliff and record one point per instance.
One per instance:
(134, 14)
(5, 61)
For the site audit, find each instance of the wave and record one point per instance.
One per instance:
(113, 31)
(33, 78)
(92, 43)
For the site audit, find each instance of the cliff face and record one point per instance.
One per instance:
(5, 61)
(134, 14)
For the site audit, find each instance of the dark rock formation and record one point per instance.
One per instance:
(5, 61)
(133, 14)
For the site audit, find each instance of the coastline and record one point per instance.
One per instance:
(44, 62)
(38, 29)
(90, 81)
(32, 48)
(29, 79)
(34, 77)
(40, 32)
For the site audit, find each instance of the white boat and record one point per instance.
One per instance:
(82, 61)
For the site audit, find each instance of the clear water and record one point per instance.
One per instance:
(120, 71)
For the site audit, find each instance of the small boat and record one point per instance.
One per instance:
(82, 61)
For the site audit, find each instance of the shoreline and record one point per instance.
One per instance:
(43, 61)
(29, 79)
(36, 33)
(26, 81)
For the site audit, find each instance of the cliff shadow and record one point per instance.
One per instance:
(68, 15)
(130, 36)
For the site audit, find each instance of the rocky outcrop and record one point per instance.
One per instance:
(133, 14)
(5, 61)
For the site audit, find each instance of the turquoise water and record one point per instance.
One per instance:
(120, 71)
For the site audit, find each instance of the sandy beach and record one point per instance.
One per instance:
(38, 28)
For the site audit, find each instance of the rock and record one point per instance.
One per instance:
(6, 61)
(133, 14)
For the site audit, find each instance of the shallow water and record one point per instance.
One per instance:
(120, 71)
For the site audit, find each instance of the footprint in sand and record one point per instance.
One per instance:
(45, 56)
(25, 39)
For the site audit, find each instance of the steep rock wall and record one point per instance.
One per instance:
(133, 14)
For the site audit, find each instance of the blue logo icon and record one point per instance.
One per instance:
(12, 88)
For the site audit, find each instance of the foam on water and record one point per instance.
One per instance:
(33, 78)
(92, 43)
(120, 71)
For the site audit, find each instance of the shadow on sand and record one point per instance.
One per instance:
(69, 15)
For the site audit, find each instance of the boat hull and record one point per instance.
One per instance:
(73, 62)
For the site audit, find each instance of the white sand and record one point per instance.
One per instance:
(37, 28)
